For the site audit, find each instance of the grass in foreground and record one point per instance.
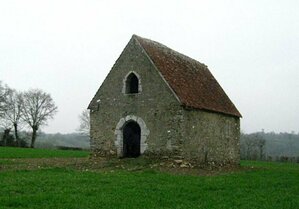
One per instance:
(272, 186)
(15, 152)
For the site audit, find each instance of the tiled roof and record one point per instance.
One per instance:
(190, 80)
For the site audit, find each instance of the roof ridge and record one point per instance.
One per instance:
(168, 48)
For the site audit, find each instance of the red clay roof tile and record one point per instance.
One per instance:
(191, 81)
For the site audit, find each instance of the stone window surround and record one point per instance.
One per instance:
(125, 82)
(119, 133)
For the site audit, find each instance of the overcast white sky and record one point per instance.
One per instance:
(67, 47)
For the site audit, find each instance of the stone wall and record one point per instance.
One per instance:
(211, 137)
(155, 105)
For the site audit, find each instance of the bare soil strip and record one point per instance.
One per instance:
(108, 165)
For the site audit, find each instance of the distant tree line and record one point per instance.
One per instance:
(32, 108)
(72, 141)
(283, 147)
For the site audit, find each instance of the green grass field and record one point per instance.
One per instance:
(269, 185)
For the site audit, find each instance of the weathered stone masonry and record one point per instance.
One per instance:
(167, 127)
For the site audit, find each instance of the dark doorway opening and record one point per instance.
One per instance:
(131, 139)
(132, 84)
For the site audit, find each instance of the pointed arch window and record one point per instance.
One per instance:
(132, 83)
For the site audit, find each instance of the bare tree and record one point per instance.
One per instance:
(252, 146)
(260, 143)
(84, 119)
(6, 125)
(37, 108)
(12, 113)
(3, 98)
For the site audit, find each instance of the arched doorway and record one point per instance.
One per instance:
(119, 134)
(131, 139)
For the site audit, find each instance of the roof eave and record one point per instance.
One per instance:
(238, 115)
